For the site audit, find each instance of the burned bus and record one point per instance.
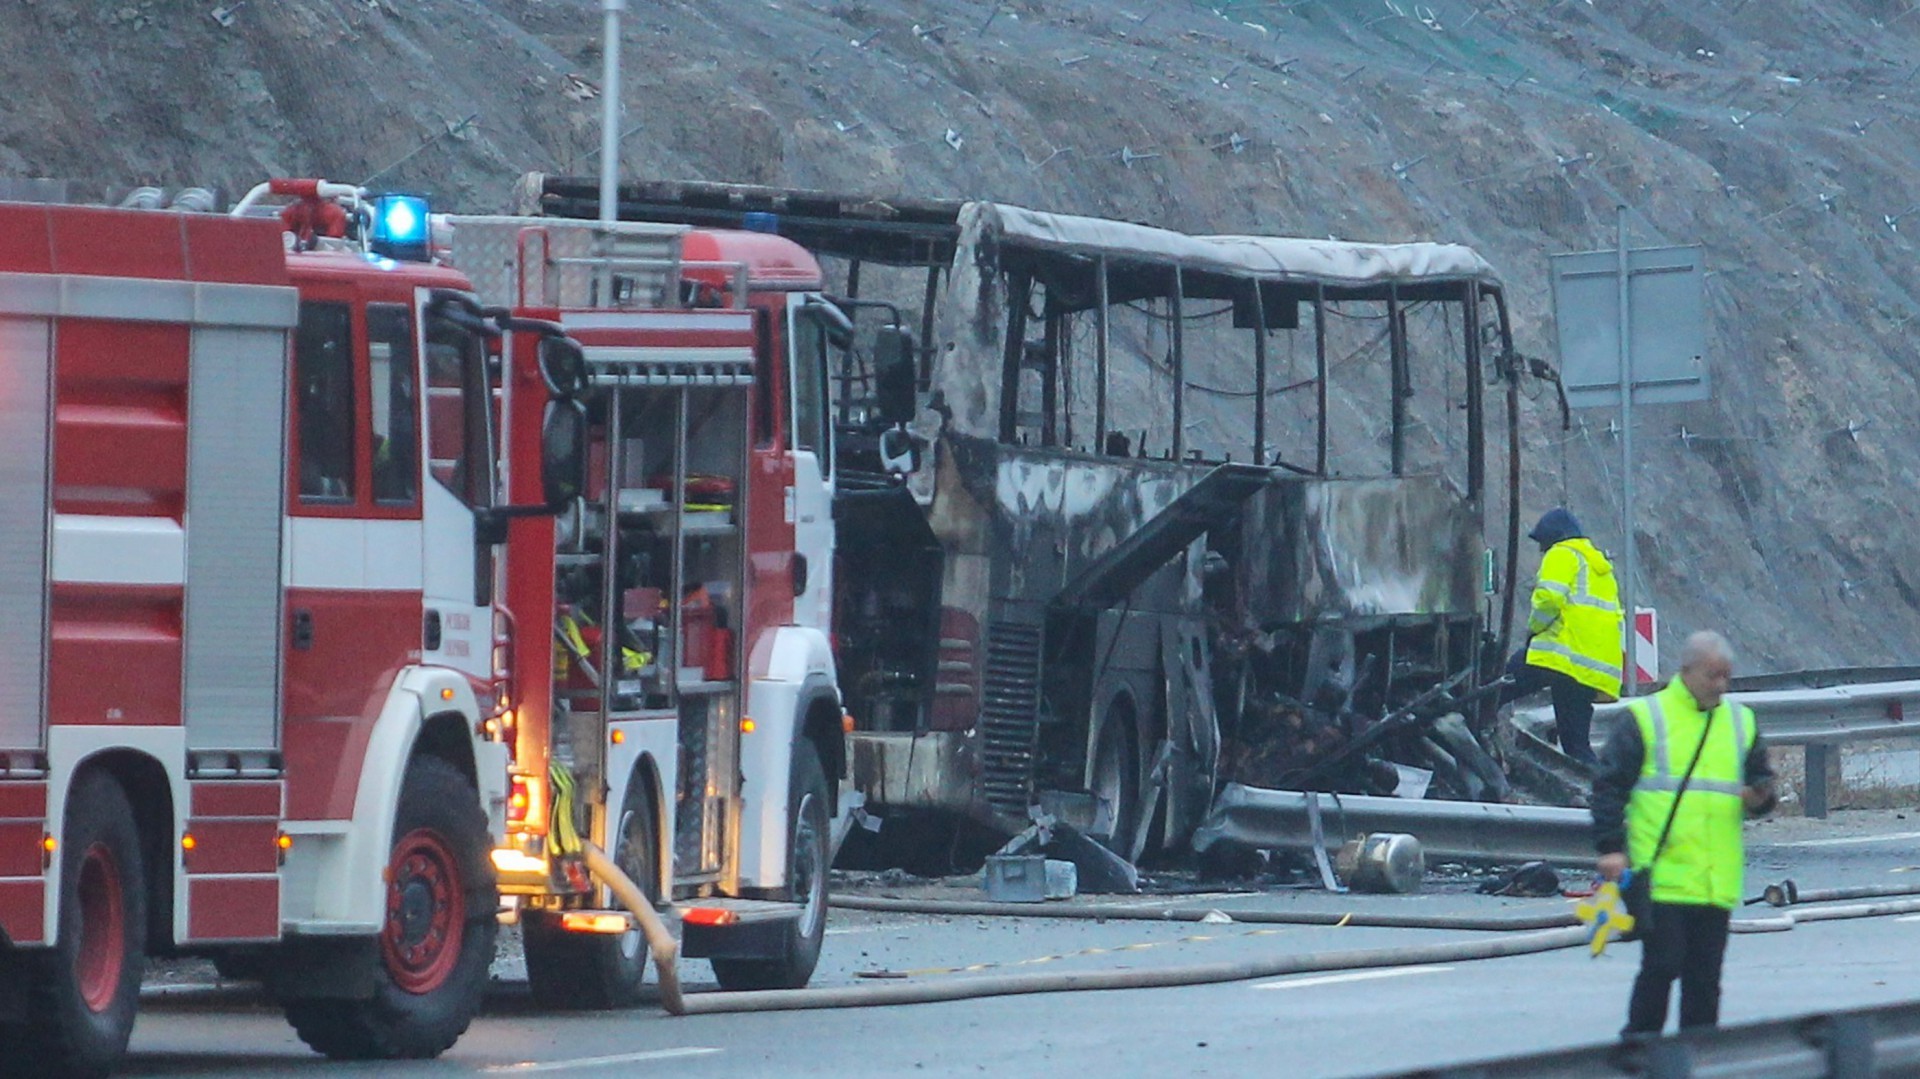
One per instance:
(1124, 514)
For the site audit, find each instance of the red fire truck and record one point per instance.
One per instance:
(254, 655)
(687, 718)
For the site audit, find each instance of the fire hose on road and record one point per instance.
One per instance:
(1518, 935)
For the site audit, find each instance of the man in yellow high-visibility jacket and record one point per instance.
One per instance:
(1574, 645)
(1696, 873)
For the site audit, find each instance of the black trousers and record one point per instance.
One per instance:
(1686, 942)
(1572, 705)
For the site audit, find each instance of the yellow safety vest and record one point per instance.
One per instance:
(1704, 859)
(1576, 617)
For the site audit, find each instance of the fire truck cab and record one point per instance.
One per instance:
(254, 652)
(687, 716)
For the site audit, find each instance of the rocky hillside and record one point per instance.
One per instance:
(1781, 134)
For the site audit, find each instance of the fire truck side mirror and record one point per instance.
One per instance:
(563, 366)
(563, 457)
(895, 371)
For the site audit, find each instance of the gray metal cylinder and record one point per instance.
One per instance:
(1382, 862)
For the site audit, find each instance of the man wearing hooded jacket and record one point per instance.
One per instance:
(1574, 647)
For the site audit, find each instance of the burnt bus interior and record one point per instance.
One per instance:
(1292, 589)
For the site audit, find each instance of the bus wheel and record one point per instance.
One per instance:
(1115, 782)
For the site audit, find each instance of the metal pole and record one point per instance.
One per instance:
(612, 659)
(1628, 675)
(1397, 376)
(926, 326)
(1320, 378)
(610, 114)
(1179, 366)
(1100, 361)
(1259, 375)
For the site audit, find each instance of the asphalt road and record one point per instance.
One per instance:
(1352, 1023)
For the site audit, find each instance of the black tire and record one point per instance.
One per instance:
(1115, 781)
(589, 970)
(434, 951)
(82, 993)
(808, 821)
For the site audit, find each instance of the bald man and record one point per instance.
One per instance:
(1681, 770)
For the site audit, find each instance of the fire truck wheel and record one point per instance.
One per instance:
(807, 875)
(592, 970)
(438, 940)
(82, 994)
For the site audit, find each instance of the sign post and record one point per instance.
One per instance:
(1632, 328)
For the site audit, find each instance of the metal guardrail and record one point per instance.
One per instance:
(1817, 710)
(1882, 1041)
(1465, 831)
(1821, 678)
(1818, 716)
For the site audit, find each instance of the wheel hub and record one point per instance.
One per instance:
(426, 912)
(103, 941)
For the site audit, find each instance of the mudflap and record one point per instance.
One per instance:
(324, 968)
(852, 810)
(757, 938)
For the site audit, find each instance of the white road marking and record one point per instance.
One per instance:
(533, 1067)
(1848, 841)
(1909, 918)
(1351, 976)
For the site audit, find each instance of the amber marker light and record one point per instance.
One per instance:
(846, 723)
(617, 737)
(187, 842)
(446, 694)
(709, 916)
(747, 725)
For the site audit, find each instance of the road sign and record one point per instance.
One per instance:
(1632, 330)
(1646, 645)
(1669, 336)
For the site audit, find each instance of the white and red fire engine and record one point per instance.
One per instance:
(263, 581)
(253, 643)
(687, 717)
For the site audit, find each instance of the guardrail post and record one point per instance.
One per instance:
(1849, 1041)
(1667, 1059)
(1814, 799)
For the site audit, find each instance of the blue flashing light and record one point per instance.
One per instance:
(758, 221)
(400, 228)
